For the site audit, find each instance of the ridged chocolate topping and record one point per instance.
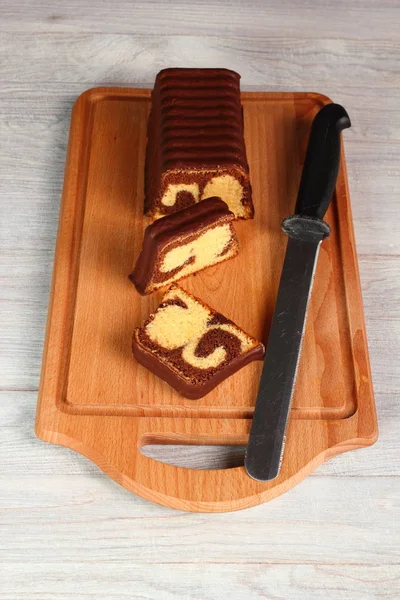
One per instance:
(195, 218)
(198, 92)
(196, 123)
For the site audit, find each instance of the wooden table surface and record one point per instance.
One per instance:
(68, 531)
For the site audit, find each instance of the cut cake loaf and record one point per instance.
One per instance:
(195, 143)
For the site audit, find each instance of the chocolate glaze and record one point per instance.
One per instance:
(199, 387)
(195, 124)
(189, 221)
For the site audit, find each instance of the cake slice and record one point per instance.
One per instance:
(191, 346)
(185, 242)
(195, 143)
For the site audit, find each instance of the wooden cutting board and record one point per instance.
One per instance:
(94, 397)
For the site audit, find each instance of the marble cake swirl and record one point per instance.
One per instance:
(191, 346)
(185, 242)
(195, 145)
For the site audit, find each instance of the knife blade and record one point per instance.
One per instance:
(306, 230)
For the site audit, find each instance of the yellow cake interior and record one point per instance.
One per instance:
(206, 249)
(225, 186)
(173, 327)
(173, 189)
(230, 190)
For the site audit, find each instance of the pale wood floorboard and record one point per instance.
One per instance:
(203, 580)
(68, 531)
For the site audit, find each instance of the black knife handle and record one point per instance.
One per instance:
(321, 165)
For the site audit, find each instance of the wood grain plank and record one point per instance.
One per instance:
(112, 580)
(324, 520)
(260, 19)
(318, 39)
(38, 175)
(26, 276)
(20, 447)
(46, 111)
(284, 63)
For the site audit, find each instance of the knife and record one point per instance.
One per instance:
(305, 230)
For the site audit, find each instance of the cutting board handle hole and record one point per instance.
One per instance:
(192, 456)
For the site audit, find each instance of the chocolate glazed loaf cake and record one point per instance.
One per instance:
(192, 347)
(185, 242)
(195, 145)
